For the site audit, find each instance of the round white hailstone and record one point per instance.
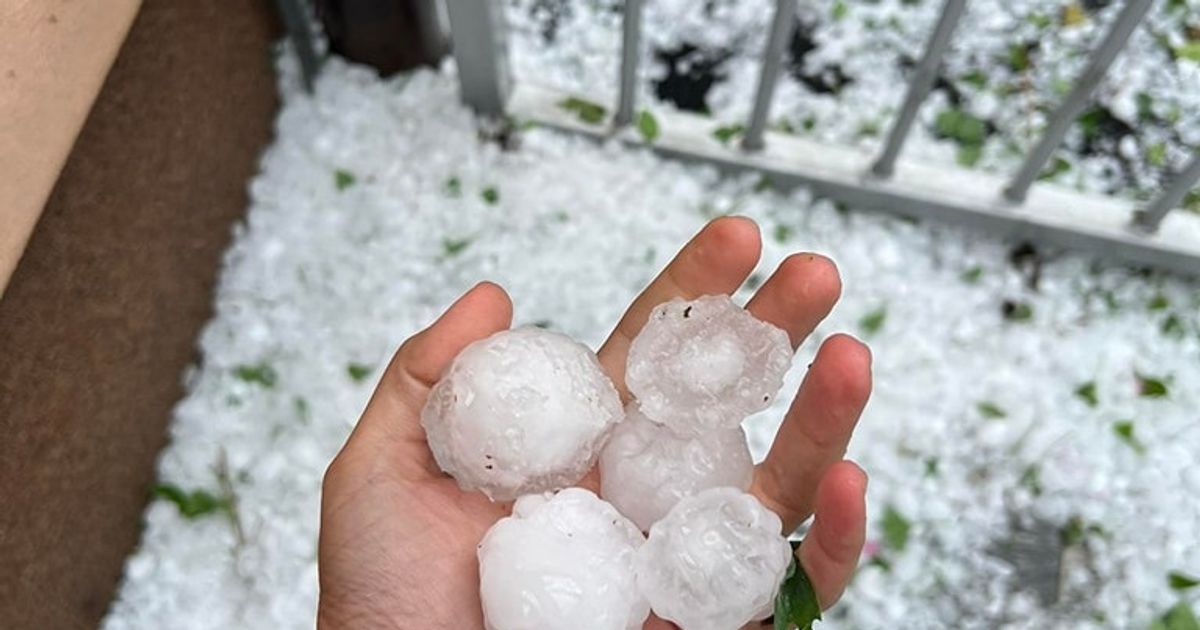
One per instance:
(715, 562)
(705, 364)
(645, 469)
(561, 561)
(522, 411)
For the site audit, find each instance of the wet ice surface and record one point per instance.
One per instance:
(519, 412)
(561, 561)
(645, 469)
(714, 562)
(705, 364)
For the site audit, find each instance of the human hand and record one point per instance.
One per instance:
(398, 537)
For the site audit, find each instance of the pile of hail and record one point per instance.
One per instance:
(525, 414)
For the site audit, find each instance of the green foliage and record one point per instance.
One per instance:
(1124, 432)
(1017, 311)
(972, 275)
(1031, 479)
(990, 410)
(895, 529)
(967, 130)
(647, 125)
(1156, 154)
(1180, 582)
(260, 374)
(840, 10)
(343, 179)
(1018, 57)
(1189, 51)
(1151, 387)
(782, 233)
(1179, 617)
(454, 246)
(587, 111)
(1158, 303)
(796, 606)
(358, 372)
(872, 322)
(1057, 167)
(490, 195)
(726, 133)
(1087, 393)
(1172, 327)
(977, 79)
(453, 187)
(192, 504)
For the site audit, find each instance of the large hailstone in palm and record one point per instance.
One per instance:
(705, 364)
(561, 561)
(645, 469)
(715, 562)
(522, 411)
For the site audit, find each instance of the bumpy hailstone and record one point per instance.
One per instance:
(714, 562)
(706, 364)
(522, 411)
(561, 561)
(645, 469)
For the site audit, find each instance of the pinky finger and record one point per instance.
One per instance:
(830, 551)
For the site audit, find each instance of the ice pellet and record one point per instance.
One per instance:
(561, 561)
(714, 562)
(705, 364)
(522, 411)
(645, 469)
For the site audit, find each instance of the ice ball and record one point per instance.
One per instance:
(645, 469)
(561, 561)
(522, 411)
(714, 562)
(705, 364)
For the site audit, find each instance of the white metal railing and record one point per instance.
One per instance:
(1015, 208)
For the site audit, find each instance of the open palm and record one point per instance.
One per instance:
(398, 537)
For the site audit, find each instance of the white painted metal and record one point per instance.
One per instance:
(479, 37)
(630, 50)
(783, 25)
(1051, 214)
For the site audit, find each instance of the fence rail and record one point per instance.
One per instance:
(1019, 207)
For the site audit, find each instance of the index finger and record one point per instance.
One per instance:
(717, 260)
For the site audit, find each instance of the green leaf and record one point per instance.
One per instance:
(960, 126)
(358, 372)
(490, 195)
(1180, 582)
(1189, 51)
(343, 179)
(260, 374)
(1179, 617)
(1156, 154)
(1017, 311)
(1158, 303)
(1031, 479)
(990, 410)
(840, 10)
(1124, 431)
(1151, 387)
(895, 529)
(647, 125)
(975, 78)
(796, 606)
(1087, 393)
(1018, 57)
(453, 187)
(728, 132)
(192, 504)
(1056, 168)
(968, 155)
(587, 111)
(931, 466)
(1073, 14)
(783, 233)
(1172, 327)
(972, 275)
(454, 246)
(873, 321)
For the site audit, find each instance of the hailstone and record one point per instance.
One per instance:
(645, 469)
(561, 561)
(715, 562)
(705, 364)
(522, 411)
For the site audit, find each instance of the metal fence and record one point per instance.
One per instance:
(1019, 207)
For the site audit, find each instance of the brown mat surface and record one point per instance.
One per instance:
(101, 316)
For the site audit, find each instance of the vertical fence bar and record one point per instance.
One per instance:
(630, 48)
(298, 23)
(1062, 119)
(477, 33)
(1170, 198)
(919, 86)
(782, 27)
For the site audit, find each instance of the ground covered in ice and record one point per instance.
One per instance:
(1032, 440)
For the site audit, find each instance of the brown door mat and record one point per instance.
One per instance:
(102, 313)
